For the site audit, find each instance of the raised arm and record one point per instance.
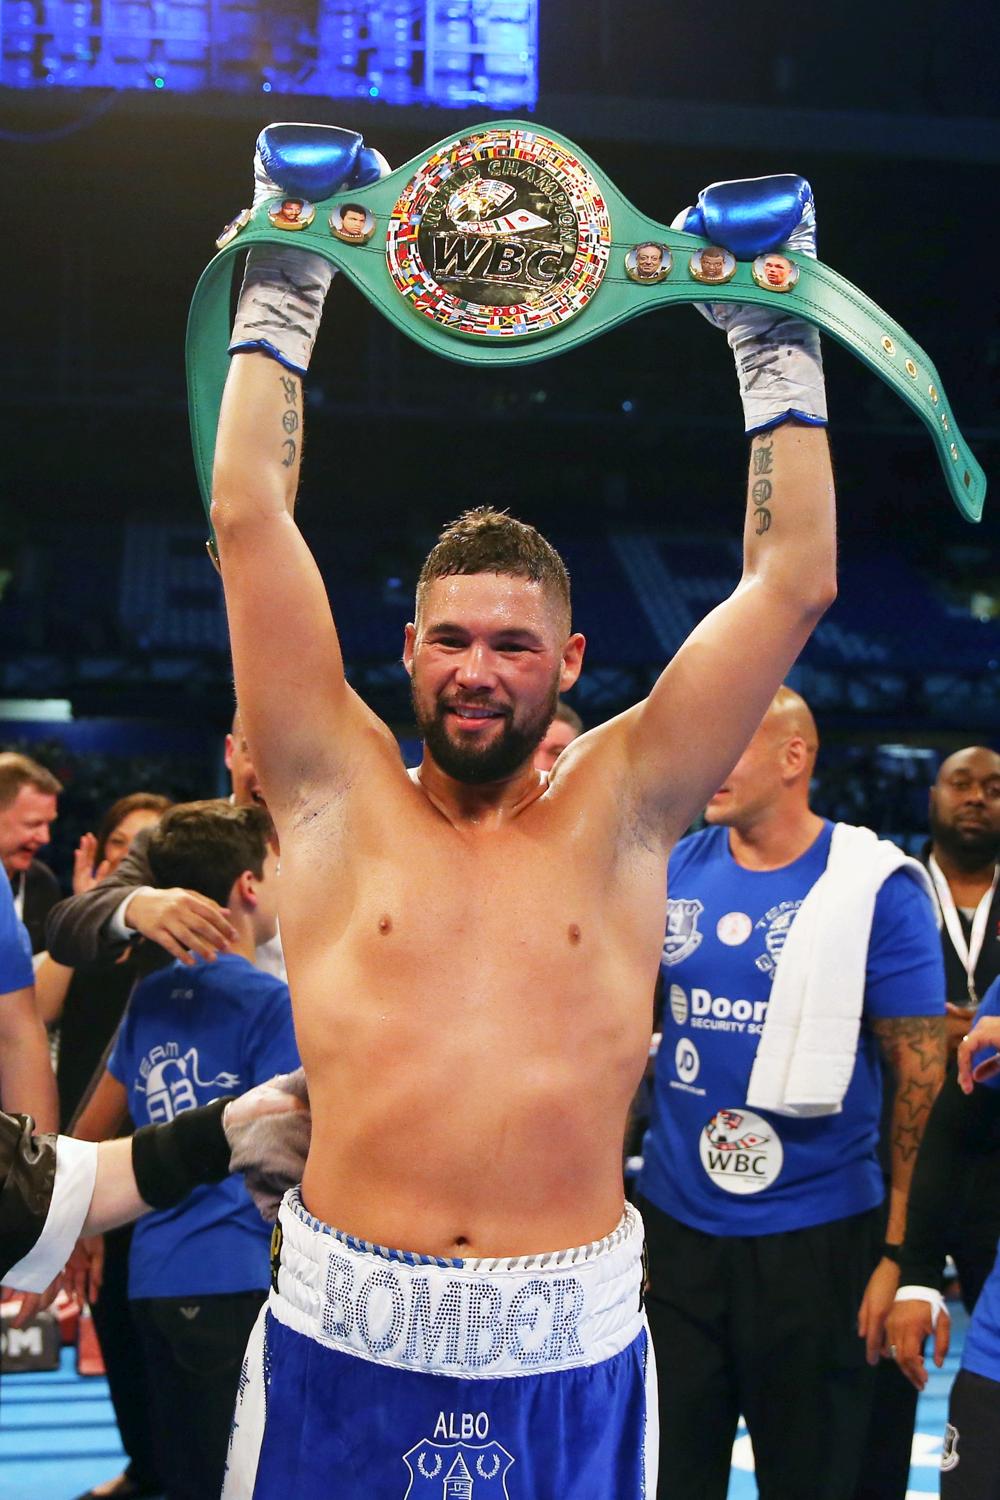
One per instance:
(301, 718)
(692, 729)
(687, 736)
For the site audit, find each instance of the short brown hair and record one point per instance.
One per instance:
(568, 715)
(17, 771)
(484, 540)
(206, 846)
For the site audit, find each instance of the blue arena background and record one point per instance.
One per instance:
(451, 53)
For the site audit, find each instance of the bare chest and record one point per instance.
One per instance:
(547, 898)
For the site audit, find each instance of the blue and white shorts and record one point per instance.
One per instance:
(375, 1374)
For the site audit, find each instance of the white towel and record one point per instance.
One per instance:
(806, 1054)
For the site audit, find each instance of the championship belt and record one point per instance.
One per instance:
(506, 244)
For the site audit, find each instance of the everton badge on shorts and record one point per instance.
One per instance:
(233, 228)
(467, 1471)
(504, 235)
(292, 213)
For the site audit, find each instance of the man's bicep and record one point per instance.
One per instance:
(295, 705)
(708, 701)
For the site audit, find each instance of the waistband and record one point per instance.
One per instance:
(478, 1318)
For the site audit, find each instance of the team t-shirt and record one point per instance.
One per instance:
(16, 969)
(709, 1160)
(981, 1354)
(191, 1034)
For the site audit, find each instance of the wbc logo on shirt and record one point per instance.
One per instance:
(457, 1471)
(740, 1151)
(682, 936)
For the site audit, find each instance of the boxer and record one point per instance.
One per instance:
(472, 948)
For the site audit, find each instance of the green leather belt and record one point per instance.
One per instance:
(439, 250)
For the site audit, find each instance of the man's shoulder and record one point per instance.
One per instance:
(41, 878)
(696, 850)
(240, 981)
(160, 982)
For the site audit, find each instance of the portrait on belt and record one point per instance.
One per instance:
(774, 272)
(352, 223)
(649, 262)
(712, 264)
(292, 213)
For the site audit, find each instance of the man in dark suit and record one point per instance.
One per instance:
(128, 906)
(28, 808)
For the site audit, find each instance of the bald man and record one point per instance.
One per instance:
(771, 1250)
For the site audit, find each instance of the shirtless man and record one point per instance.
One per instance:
(472, 949)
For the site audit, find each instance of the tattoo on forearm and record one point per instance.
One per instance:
(762, 491)
(913, 1044)
(290, 419)
(915, 1047)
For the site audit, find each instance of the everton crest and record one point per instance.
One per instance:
(682, 936)
(502, 234)
(457, 1471)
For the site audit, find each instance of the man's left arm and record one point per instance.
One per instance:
(27, 1082)
(914, 1048)
(905, 970)
(682, 742)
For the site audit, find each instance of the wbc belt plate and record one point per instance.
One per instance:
(506, 244)
(505, 236)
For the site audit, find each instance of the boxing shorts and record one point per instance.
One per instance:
(386, 1375)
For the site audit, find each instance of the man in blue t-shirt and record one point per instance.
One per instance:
(27, 1082)
(198, 1273)
(771, 1255)
(956, 1130)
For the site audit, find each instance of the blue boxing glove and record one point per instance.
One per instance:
(778, 358)
(284, 288)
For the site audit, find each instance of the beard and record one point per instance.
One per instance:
(971, 847)
(477, 765)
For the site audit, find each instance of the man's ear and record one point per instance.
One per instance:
(409, 641)
(246, 888)
(228, 756)
(796, 756)
(572, 661)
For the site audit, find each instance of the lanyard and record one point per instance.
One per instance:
(968, 952)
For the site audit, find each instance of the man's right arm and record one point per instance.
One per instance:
(82, 930)
(302, 720)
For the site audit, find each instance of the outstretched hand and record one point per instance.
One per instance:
(186, 924)
(985, 1033)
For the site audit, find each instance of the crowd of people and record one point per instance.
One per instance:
(456, 1298)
